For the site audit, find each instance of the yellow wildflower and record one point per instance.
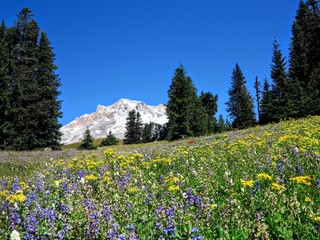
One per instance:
(212, 206)
(132, 190)
(4, 193)
(16, 197)
(173, 187)
(91, 177)
(247, 183)
(302, 180)
(307, 199)
(277, 186)
(264, 176)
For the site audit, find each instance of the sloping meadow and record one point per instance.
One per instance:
(260, 183)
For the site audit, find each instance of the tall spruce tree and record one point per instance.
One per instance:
(24, 59)
(130, 133)
(266, 103)
(48, 102)
(138, 128)
(258, 96)
(279, 109)
(183, 107)
(147, 132)
(5, 90)
(134, 128)
(240, 104)
(304, 59)
(221, 126)
(209, 103)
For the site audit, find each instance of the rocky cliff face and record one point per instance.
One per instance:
(111, 118)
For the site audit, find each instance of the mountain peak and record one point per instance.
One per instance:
(111, 118)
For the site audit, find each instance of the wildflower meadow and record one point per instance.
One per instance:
(259, 183)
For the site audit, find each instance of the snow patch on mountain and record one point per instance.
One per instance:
(111, 118)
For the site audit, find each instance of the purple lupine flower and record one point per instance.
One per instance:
(30, 198)
(31, 224)
(299, 169)
(15, 185)
(14, 219)
(318, 183)
(40, 184)
(64, 208)
(280, 167)
(194, 230)
(29, 236)
(61, 234)
(107, 214)
(121, 237)
(81, 174)
(49, 214)
(131, 227)
(169, 230)
(196, 237)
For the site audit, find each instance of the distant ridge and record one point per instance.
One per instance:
(111, 118)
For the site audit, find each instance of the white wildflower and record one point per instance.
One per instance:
(15, 235)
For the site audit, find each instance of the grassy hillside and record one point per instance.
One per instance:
(259, 183)
(96, 142)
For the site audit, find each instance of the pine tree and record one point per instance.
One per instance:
(109, 140)
(134, 127)
(147, 133)
(221, 126)
(183, 107)
(266, 104)
(258, 93)
(138, 128)
(24, 63)
(4, 88)
(240, 104)
(313, 89)
(48, 103)
(279, 108)
(304, 59)
(87, 142)
(209, 103)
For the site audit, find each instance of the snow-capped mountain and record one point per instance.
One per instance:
(111, 118)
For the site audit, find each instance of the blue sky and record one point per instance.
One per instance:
(112, 49)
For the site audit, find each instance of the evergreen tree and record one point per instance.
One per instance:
(24, 62)
(257, 88)
(209, 103)
(138, 128)
(266, 103)
(304, 59)
(48, 103)
(313, 89)
(279, 85)
(183, 111)
(130, 134)
(109, 140)
(221, 126)
(4, 88)
(147, 133)
(87, 142)
(240, 104)
(134, 127)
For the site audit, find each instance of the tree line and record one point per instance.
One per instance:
(293, 93)
(29, 105)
